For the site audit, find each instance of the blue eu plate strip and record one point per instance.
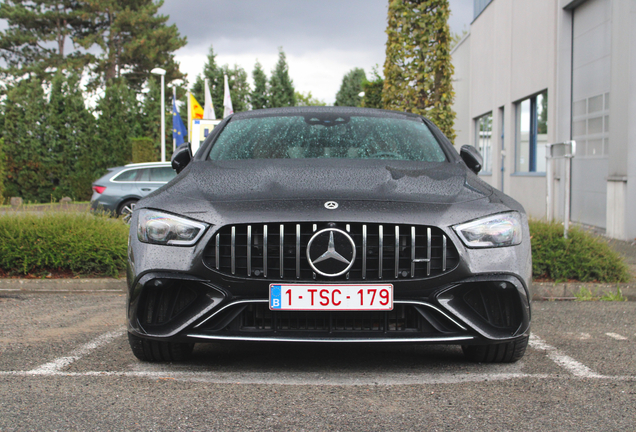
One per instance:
(275, 297)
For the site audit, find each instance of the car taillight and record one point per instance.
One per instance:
(99, 189)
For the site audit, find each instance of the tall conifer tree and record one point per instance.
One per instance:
(281, 87)
(116, 126)
(349, 93)
(237, 80)
(258, 97)
(418, 68)
(28, 156)
(73, 141)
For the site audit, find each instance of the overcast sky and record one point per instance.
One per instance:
(323, 39)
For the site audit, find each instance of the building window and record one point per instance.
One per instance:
(532, 133)
(479, 6)
(590, 126)
(483, 140)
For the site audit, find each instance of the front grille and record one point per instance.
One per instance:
(279, 251)
(497, 304)
(159, 305)
(257, 318)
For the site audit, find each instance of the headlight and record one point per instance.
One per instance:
(493, 231)
(166, 229)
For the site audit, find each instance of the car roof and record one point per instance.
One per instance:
(143, 164)
(322, 110)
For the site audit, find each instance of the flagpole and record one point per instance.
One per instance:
(174, 101)
(189, 117)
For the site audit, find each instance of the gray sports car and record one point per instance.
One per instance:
(328, 225)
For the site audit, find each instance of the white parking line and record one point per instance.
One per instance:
(616, 336)
(59, 363)
(574, 367)
(149, 371)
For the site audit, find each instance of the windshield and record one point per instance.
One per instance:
(327, 136)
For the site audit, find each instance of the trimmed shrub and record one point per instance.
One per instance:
(581, 256)
(81, 243)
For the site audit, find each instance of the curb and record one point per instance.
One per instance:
(568, 291)
(64, 285)
(541, 290)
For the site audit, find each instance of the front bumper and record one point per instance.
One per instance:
(174, 296)
(483, 309)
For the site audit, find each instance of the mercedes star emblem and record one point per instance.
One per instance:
(331, 252)
(331, 205)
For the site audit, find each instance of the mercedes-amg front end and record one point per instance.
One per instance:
(336, 225)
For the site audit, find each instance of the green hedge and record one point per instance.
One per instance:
(88, 244)
(582, 256)
(83, 243)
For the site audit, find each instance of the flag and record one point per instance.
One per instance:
(227, 100)
(208, 110)
(197, 111)
(179, 131)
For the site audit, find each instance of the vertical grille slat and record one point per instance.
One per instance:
(364, 252)
(397, 251)
(297, 251)
(233, 249)
(218, 252)
(265, 250)
(254, 251)
(443, 253)
(428, 251)
(249, 250)
(281, 251)
(380, 250)
(412, 251)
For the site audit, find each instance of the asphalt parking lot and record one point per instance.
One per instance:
(65, 365)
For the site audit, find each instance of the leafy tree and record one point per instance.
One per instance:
(373, 91)
(281, 87)
(116, 125)
(28, 157)
(418, 68)
(350, 89)
(37, 36)
(306, 99)
(133, 39)
(258, 97)
(71, 135)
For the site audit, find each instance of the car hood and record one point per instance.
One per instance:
(329, 179)
(215, 191)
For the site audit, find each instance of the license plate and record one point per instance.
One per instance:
(331, 297)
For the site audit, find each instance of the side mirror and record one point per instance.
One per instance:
(181, 157)
(471, 157)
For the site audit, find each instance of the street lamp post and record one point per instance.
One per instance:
(162, 72)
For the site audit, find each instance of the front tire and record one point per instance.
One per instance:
(156, 351)
(508, 352)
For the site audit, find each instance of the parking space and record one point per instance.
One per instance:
(581, 354)
(84, 334)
